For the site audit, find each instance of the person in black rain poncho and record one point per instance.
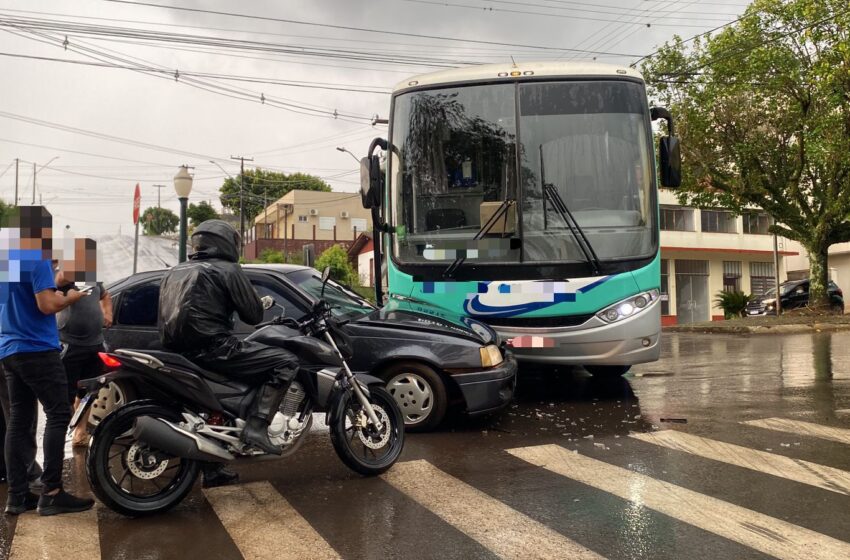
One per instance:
(196, 305)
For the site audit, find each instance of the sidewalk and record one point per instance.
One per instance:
(793, 324)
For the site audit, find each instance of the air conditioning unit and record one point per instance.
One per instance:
(343, 214)
(314, 212)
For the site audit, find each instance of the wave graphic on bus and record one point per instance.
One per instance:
(508, 299)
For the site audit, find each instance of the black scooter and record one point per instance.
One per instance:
(145, 456)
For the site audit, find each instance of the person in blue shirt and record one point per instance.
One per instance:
(29, 352)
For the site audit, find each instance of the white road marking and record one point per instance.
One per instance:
(841, 435)
(499, 528)
(58, 537)
(813, 474)
(264, 525)
(752, 529)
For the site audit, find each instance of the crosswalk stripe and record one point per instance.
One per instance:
(841, 435)
(813, 474)
(752, 529)
(72, 535)
(503, 530)
(264, 525)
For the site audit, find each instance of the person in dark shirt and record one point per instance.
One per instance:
(81, 326)
(197, 302)
(29, 351)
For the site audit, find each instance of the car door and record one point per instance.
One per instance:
(799, 296)
(134, 322)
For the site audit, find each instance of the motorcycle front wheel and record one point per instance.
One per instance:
(128, 476)
(363, 449)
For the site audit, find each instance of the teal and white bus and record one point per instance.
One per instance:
(525, 196)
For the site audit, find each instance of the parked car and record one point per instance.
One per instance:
(793, 294)
(430, 361)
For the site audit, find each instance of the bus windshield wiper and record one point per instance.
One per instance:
(550, 193)
(501, 211)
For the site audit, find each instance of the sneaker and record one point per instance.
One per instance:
(63, 502)
(17, 504)
(219, 477)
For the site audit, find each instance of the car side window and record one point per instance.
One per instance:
(139, 305)
(269, 287)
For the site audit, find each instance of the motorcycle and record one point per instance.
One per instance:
(145, 456)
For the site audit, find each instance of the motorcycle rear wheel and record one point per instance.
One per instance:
(115, 462)
(362, 449)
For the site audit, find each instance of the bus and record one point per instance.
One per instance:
(524, 195)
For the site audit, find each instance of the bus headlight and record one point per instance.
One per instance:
(628, 307)
(491, 356)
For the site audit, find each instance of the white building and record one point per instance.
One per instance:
(706, 251)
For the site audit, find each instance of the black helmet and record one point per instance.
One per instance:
(215, 239)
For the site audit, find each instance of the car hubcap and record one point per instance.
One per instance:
(413, 395)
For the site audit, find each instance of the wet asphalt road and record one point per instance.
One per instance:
(710, 479)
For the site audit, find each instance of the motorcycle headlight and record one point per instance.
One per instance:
(491, 356)
(628, 307)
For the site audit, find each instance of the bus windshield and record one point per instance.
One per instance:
(461, 153)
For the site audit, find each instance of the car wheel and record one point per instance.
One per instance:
(109, 398)
(838, 309)
(420, 393)
(607, 371)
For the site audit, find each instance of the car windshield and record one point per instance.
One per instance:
(345, 303)
(786, 289)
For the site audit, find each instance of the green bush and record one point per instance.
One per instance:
(270, 256)
(341, 269)
(733, 304)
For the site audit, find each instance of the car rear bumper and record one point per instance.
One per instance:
(488, 390)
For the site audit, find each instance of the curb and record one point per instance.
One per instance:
(759, 329)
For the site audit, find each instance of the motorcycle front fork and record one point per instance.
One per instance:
(355, 386)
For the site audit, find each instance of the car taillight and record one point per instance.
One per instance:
(109, 361)
(839, 292)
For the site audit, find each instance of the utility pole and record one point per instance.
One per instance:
(241, 202)
(158, 194)
(33, 183)
(776, 272)
(16, 180)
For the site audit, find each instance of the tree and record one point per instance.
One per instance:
(341, 269)
(157, 221)
(763, 110)
(5, 209)
(265, 186)
(201, 212)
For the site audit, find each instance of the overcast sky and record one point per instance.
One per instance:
(90, 186)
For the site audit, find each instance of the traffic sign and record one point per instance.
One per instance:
(137, 200)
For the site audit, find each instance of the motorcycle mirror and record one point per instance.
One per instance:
(326, 273)
(268, 302)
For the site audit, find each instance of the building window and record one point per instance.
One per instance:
(358, 224)
(677, 219)
(302, 219)
(762, 277)
(731, 276)
(665, 291)
(327, 223)
(718, 221)
(756, 223)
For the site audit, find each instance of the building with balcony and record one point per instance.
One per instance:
(706, 251)
(300, 217)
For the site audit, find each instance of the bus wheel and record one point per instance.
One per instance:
(607, 371)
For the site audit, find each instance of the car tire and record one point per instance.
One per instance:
(607, 372)
(420, 393)
(837, 308)
(114, 395)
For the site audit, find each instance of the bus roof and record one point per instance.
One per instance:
(508, 71)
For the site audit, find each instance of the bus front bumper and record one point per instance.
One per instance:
(634, 340)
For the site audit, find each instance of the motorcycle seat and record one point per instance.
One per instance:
(178, 360)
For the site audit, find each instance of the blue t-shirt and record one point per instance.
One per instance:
(23, 328)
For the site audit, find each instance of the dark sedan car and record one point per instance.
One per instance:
(429, 362)
(793, 294)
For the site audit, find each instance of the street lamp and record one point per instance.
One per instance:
(34, 172)
(183, 186)
(347, 151)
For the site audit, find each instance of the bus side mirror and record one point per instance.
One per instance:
(669, 155)
(371, 182)
(670, 160)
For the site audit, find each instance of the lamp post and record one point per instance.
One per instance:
(347, 151)
(183, 186)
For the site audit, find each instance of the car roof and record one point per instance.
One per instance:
(282, 268)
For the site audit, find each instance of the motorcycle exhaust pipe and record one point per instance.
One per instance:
(164, 435)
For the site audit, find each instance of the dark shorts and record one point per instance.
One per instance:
(81, 362)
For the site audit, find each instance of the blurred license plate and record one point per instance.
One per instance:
(84, 404)
(754, 312)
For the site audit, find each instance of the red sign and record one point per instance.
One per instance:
(137, 201)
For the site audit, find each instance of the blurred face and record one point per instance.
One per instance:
(79, 260)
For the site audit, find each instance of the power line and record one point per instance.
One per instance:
(360, 29)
